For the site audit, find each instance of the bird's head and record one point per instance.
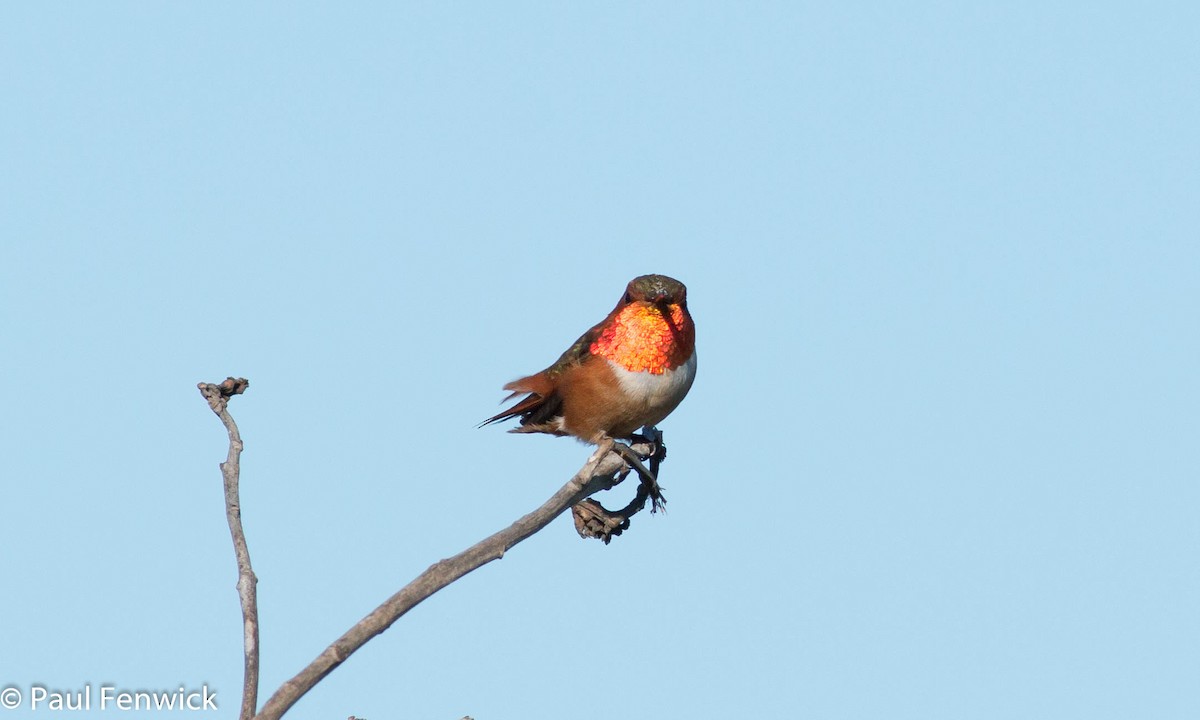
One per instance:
(656, 289)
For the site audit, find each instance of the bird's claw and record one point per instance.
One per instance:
(653, 437)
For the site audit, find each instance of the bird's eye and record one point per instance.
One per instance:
(628, 298)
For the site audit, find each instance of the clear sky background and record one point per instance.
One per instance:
(939, 460)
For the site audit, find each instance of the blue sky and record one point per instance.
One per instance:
(939, 460)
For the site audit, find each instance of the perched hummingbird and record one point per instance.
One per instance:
(630, 370)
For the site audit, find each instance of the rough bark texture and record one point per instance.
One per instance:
(218, 399)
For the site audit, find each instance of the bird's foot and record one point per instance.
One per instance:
(649, 488)
(652, 436)
(658, 501)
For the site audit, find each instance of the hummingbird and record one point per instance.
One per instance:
(628, 371)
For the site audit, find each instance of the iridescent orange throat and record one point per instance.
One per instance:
(641, 338)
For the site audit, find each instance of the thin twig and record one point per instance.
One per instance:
(649, 479)
(593, 520)
(599, 473)
(218, 399)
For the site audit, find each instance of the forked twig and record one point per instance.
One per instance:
(606, 467)
(593, 520)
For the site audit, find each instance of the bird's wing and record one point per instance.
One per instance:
(577, 353)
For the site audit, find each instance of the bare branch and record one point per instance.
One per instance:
(593, 520)
(602, 471)
(218, 399)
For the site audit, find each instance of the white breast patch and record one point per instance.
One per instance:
(659, 392)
